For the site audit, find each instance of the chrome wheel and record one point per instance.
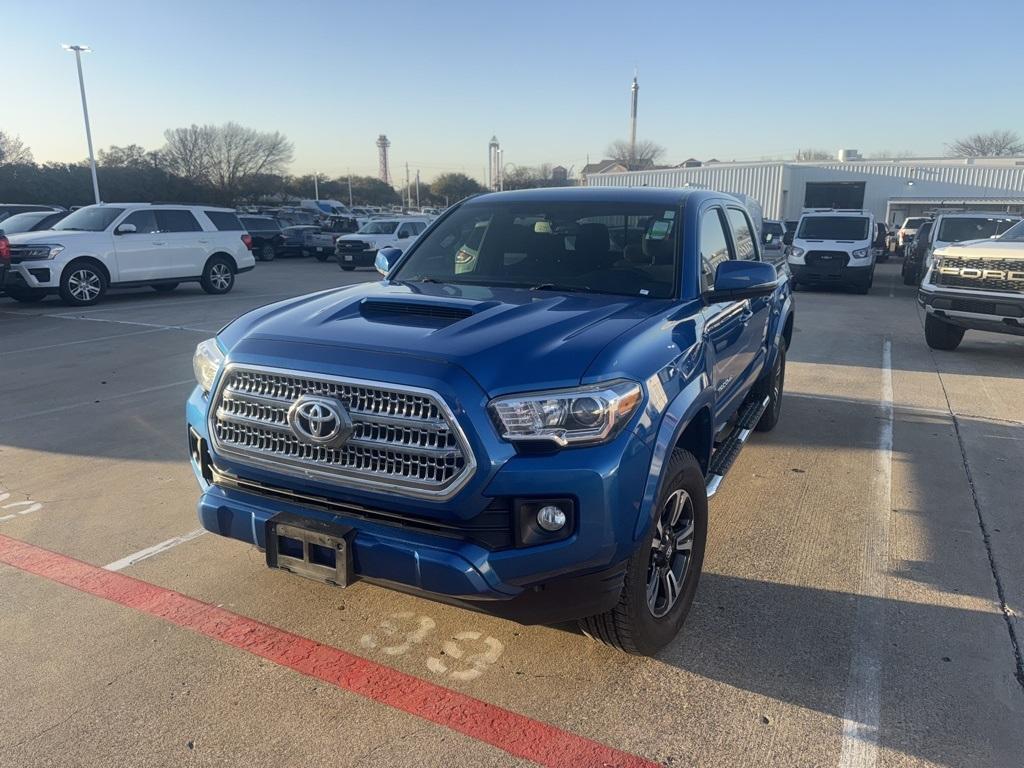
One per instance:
(671, 550)
(220, 276)
(84, 285)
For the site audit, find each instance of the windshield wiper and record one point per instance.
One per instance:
(555, 287)
(426, 280)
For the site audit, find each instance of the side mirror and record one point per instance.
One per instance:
(768, 237)
(787, 239)
(386, 259)
(125, 229)
(736, 280)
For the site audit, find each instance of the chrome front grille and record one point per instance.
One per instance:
(403, 440)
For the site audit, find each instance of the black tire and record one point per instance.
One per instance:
(304, 253)
(164, 287)
(348, 267)
(909, 274)
(266, 253)
(942, 335)
(27, 295)
(794, 285)
(772, 386)
(637, 625)
(321, 256)
(864, 286)
(218, 275)
(82, 283)
(883, 256)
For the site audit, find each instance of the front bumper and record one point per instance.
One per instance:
(32, 275)
(995, 311)
(410, 546)
(838, 274)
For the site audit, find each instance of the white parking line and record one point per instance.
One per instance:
(60, 408)
(155, 326)
(156, 549)
(861, 710)
(80, 341)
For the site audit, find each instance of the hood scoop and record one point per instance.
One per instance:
(432, 314)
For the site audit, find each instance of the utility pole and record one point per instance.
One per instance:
(417, 188)
(316, 186)
(349, 187)
(634, 91)
(79, 50)
(408, 192)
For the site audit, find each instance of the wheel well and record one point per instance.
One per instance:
(696, 438)
(90, 260)
(787, 331)
(228, 256)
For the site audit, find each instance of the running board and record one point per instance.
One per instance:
(727, 451)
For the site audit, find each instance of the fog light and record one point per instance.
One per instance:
(550, 518)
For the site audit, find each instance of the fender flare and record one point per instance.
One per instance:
(677, 417)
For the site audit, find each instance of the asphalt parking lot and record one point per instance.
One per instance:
(862, 589)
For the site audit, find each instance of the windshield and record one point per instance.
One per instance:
(93, 218)
(1014, 233)
(378, 228)
(22, 222)
(773, 228)
(913, 223)
(833, 228)
(960, 228)
(618, 248)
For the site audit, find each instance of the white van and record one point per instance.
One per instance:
(833, 247)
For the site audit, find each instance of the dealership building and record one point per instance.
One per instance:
(890, 189)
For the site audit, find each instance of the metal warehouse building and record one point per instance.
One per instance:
(891, 189)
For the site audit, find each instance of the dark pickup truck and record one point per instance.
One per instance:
(267, 237)
(526, 416)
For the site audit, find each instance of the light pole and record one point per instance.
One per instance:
(316, 186)
(79, 50)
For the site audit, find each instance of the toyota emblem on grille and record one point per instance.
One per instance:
(320, 421)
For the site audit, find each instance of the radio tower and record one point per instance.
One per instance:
(383, 171)
(634, 91)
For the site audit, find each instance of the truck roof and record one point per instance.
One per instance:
(654, 195)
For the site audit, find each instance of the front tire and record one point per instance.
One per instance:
(909, 273)
(218, 276)
(82, 284)
(942, 335)
(348, 267)
(864, 286)
(662, 575)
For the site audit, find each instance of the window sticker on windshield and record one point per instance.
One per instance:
(659, 230)
(644, 292)
(669, 215)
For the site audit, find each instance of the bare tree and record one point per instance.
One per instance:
(13, 150)
(647, 154)
(813, 155)
(130, 156)
(992, 144)
(189, 152)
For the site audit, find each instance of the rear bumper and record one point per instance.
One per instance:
(357, 258)
(994, 311)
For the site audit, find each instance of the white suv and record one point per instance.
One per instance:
(120, 245)
(833, 247)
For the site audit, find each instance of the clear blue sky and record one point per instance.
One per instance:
(551, 79)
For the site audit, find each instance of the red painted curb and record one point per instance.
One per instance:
(516, 734)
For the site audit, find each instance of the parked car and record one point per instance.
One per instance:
(31, 221)
(833, 247)
(772, 233)
(537, 438)
(267, 237)
(906, 231)
(359, 249)
(319, 243)
(121, 245)
(295, 238)
(10, 209)
(974, 285)
(915, 254)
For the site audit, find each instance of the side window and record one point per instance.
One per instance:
(407, 230)
(177, 220)
(227, 222)
(714, 246)
(417, 227)
(742, 235)
(144, 221)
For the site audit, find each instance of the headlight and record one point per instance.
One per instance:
(860, 253)
(40, 252)
(206, 362)
(796, 253)
(591, 414)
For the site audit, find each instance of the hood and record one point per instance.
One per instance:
(47, 236)
(507, 339)
(980, 249)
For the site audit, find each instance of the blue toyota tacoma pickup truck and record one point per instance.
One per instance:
(526, 416)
